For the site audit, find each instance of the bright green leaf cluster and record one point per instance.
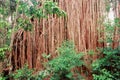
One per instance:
(104, 75)
(68, 58)
(24, 23)
(2, 52)
(33, 11)
(4, 24)
(2, 78)
(117, 22)
(110, 62)
(23, 74)
(52, 8)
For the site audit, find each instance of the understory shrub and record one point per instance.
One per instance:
(63, 66)
(103, 75)
(1, 77)
(23, 74)
(108, 67)
(2, 52)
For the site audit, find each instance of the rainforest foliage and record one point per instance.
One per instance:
(68, 63)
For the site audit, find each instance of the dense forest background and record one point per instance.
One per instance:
(59, 40)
